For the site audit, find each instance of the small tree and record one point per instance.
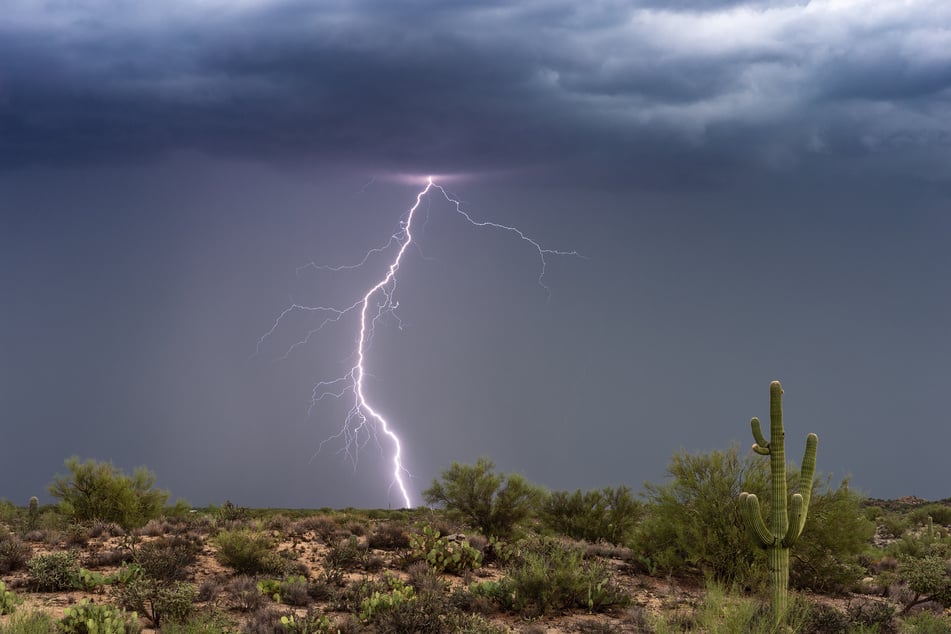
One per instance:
(492, 503)
(100, 491)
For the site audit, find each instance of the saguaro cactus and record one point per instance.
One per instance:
(784, 526)
(33, 512)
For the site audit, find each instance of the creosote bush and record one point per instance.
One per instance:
(551, 575)
(249, 552)
(599, 515)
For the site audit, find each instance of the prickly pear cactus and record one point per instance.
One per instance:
(785, 524)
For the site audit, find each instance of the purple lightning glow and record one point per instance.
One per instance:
(363, 421)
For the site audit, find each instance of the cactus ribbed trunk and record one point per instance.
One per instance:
(786, 519)
(778, 563)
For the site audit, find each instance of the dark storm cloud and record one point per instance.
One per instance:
(474, 85)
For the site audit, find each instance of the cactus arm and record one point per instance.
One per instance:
(749, 507)
(761, 446)
(807, 476)
(797, 518)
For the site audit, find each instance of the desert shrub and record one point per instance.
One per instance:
(422, 614)
(295, 590)
(99, 491)
(158, 601)
(606, 514)
(109, 558)
(212, 623)
(693, 523)
(245, 594)
(53, 572)
(167, 558)
(893, 525)
(8, 600)
(928, 578)
(927, 623)
(424, 578)
(13, 552)
(350, 598)
(154, 528)
(28, 623)
(552, 575)
(825, 558)
(939, 513)
(492, 503)
(485, 596)
(265, 621)
(77, 535)
(209, 588)
(388, 536)
(875, 616)
(444, 553)
(323, 526)
(826, 619)
(344, 555)
(97, 618)
(459, 623)
(248, 552)
(231, 513)
(38, 535)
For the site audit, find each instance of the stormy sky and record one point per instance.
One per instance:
(760, 190)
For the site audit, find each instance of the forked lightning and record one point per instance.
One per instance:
(363, 419)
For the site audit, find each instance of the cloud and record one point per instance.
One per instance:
(474, 85)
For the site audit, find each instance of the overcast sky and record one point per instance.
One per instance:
(759, 190)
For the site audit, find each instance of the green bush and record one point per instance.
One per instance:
(53, 572)
(492, 503)
(249, 552)
(201, 624)
(551, 575)
(97, 618)
(100, 491)
(159, 602)
(927, 623)
(607, 514)
(928, 578)
(28, 623)
(871, 616)
(693, 524)
(836, 533)
(939, 513)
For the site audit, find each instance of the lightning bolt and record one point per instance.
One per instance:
(364, 421)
